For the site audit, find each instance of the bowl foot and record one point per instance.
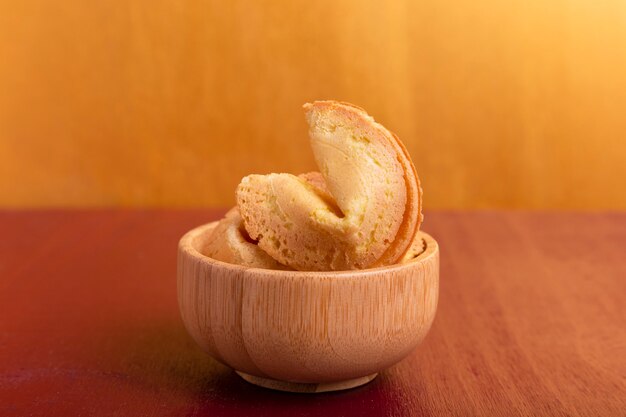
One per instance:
(306, 387)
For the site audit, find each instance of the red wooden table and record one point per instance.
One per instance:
(531, 321)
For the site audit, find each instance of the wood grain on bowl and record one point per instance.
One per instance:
(306, 327)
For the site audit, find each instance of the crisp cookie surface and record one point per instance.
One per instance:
(361, 210)
(229, 242)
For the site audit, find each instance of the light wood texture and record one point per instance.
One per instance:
(500, 103)
(530, 322)
(306, 388)
(306, 327)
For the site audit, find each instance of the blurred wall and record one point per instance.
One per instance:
(515, 104)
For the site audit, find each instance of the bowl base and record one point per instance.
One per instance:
(306, 387)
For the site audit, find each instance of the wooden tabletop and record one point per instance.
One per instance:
(531, 321)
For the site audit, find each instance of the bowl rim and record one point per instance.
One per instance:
(186, 246)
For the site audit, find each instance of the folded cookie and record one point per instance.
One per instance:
(418, 246)
(364, 210)
(229, 242)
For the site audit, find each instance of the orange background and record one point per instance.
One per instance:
(514, 104)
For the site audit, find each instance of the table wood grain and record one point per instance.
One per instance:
(531, 321)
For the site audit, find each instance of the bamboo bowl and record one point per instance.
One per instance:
(306, 331)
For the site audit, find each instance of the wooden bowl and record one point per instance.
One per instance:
(306, 331)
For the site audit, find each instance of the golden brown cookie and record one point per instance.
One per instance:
(369, 213)
(229, 242)
(417, 247)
